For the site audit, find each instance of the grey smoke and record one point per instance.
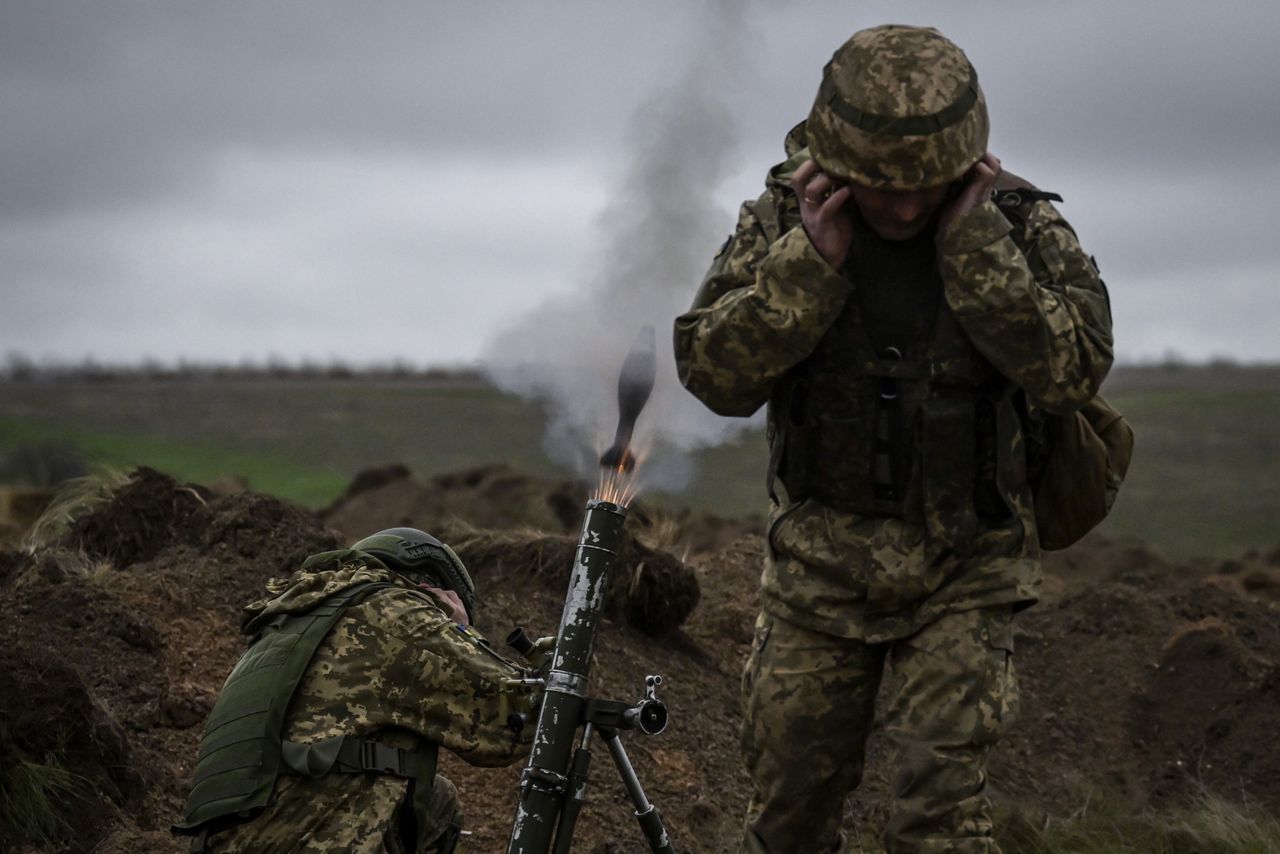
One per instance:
(655, 238)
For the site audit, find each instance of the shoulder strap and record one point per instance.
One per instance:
(1015, 196)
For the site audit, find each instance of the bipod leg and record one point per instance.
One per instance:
(646, 813)
(575, 794)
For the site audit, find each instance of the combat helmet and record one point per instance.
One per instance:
(899, 108)
(417, 554)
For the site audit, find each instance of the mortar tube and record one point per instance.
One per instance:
(544, 784)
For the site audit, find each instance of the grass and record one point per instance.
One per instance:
(198, 461)
(300, 440)
(1205, 478)
(1208, 826)
(33, 796)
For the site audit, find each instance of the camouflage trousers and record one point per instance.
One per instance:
(345, 813)
(808, 706)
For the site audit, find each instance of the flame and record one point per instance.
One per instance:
(621, 483)
(617, 484)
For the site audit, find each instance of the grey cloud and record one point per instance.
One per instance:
(109, 102)
(1166, 84)
(127, 125)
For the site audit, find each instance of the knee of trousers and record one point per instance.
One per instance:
(443, 814)
(956, 690)
(808, 704)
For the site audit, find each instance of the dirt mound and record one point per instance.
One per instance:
(144, 516)
(495, 497)
(1209, 699)
(1141, 680)
(80, 676)
(135, 608)
(500, 498)
(1134, 683)
(272, 535)
(652, 590)
(58, 742)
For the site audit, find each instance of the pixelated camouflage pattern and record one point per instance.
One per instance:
(809, 703)
(1034, 307)
(395, 668)
(843, 592)
(899, 72)
(868, 578)
(296, 819)
(1048, 333)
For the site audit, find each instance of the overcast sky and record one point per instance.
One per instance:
(234, 180)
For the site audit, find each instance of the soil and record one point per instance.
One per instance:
(1142, 680)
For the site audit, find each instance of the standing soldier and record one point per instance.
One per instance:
(360, 667)
(907, 311)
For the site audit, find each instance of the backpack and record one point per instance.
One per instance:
(1078, 460)
(1083, 460)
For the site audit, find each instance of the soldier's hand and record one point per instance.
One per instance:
(976, 189)
(824, 210)
(450, 603)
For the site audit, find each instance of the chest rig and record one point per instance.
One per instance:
(927, 430)
(911, 432)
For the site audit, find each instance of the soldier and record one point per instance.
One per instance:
(325, 735)
(908, 311)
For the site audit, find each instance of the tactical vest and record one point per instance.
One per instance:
(930, 432)
(242, 751)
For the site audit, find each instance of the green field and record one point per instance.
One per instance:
(1205, 478)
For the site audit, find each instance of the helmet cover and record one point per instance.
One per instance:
(899, 108)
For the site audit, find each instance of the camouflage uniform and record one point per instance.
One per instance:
(931, 587)
(396, 667)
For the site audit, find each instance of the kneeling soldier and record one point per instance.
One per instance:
(325, 735)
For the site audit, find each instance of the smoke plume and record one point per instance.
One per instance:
(656, 239)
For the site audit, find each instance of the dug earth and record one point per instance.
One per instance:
(1142, 680)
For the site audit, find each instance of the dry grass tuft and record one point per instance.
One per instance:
(74, 499)
(1209, 825)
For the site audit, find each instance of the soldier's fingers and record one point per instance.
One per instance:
(988, 169)
(800, 180)
(835, 203)
(817, 191)
(451, 599)
(820, 187)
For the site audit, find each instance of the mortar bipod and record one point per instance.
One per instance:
(607, 718)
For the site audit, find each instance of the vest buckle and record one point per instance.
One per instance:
(888, 386)
(383, 758)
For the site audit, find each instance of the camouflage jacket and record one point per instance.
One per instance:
(1030, 303)
(396, 667)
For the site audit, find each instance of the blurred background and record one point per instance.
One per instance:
(288, 242)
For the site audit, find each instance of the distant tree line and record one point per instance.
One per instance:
(18, 367)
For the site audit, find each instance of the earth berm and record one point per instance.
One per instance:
(1142, 681)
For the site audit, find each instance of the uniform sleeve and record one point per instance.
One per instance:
(446, 683)
(1043, 318)
(762, 308)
